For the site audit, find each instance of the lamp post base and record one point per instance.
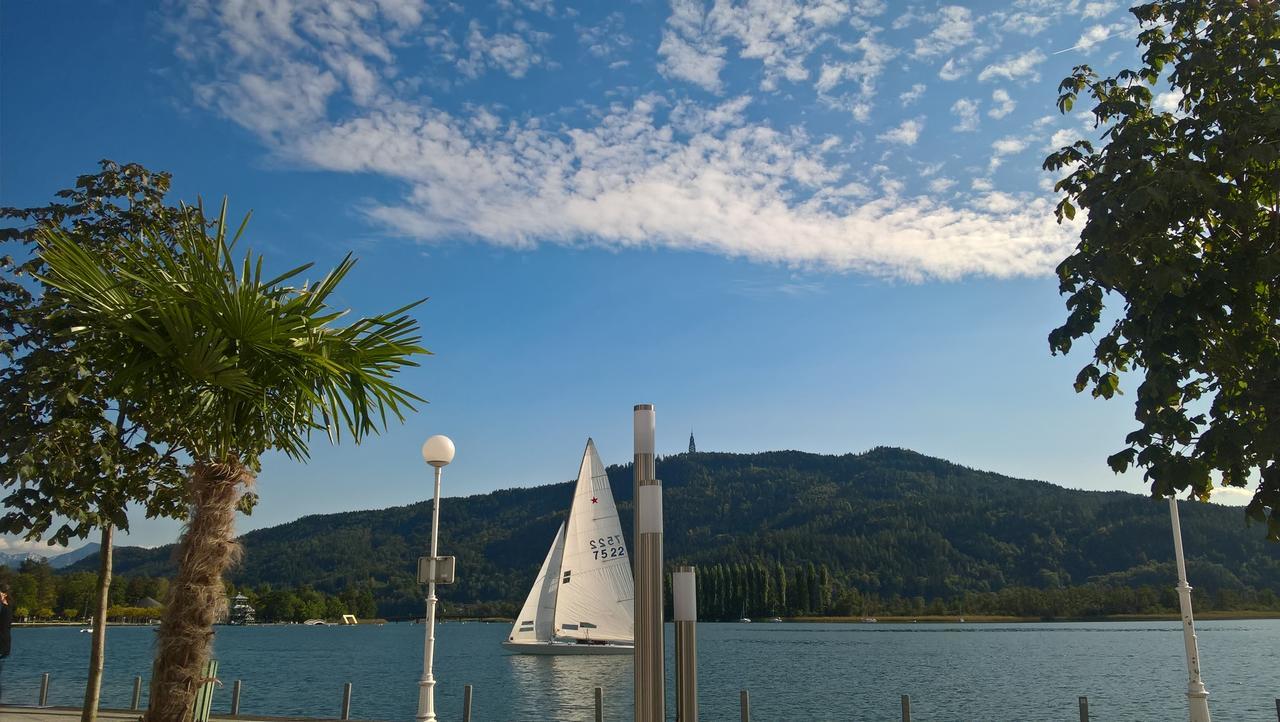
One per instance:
(1198, 703)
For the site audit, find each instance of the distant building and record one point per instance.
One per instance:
(147, 603)
(693, 448)
(241, 611)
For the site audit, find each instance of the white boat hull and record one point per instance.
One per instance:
(567, 648)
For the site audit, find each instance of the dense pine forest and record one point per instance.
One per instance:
(784, 533)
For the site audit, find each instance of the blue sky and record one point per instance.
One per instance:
(806, 225)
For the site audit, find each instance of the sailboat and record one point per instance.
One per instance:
(581, 601)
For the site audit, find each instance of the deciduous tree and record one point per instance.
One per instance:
(72, 456)
(1181, 247)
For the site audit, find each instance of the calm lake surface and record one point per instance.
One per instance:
(1013, 673)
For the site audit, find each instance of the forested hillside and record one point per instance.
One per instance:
(888, 527)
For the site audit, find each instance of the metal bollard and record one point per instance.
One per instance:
(137, 693)
(906, 708)
(1278, 708)
(346, 701)
(600, 704)
(1084, 709)
(44, 689)
(466, 703)
(235, 698)
(744, 702)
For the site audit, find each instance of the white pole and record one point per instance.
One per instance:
(427, 685)
(1197, 697)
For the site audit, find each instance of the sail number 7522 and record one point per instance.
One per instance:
(609, 547)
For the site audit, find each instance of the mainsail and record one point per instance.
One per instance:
(595, 596)
(536, 622)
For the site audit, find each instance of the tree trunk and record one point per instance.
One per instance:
(206, 549)
(93, 688)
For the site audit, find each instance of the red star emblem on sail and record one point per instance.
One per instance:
(595, 500)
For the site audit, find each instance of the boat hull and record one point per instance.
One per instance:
(567, 648)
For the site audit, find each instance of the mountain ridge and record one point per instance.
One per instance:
(886, 521)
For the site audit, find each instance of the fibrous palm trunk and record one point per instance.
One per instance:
(206, 549)
(93, 687)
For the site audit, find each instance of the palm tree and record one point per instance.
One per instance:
(224, 365)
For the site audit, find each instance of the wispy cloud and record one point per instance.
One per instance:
(966, 112)
(912, 94)
(1003, 103)
(1018, 68)
(906, 133)
(954, 28)
(660, 169)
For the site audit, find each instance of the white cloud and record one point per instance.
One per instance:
(951, 70)
(916, 92)
(1231, 495)
(606, 39)
(1009, 145)
(509, 52)
(997, 202)
(780, 34)
(1167, 102)
(661, 170)
(1004, 104)
(954, 30)
(10, 545)
(628, 182)
(1026, 23)
(1098, 9)
(1062, 137)
(698, 65)
(941, 185)
(907, 133)
(1097, 34)
(865, 71)
(966, 112)
(1015, 67)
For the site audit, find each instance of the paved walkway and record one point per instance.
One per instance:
(72, 714)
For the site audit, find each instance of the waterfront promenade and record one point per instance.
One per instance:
(13, 713)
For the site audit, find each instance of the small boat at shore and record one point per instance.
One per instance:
(581, 601)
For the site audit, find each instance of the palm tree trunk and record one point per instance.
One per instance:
(93, 688)
(206, 549)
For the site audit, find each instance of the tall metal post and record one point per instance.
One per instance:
(1197, 697)
(684, 599)
(427, 685)
(650, 678)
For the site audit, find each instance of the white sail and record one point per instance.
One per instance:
(595, 597)
(536, 621)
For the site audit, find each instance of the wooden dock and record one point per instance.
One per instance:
(15, 713)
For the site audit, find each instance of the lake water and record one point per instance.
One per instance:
(989, 672)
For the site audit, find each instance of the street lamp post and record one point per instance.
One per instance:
(438, 452)
(1197, 697)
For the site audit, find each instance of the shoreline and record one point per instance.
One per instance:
(1210, 616)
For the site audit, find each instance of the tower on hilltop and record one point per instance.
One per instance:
(693, 448)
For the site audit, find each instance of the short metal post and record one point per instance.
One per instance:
(906, 708)
(744, 701)
(346, 701)
(1084, 709)
(684, 593)
(1277, 708)
(235, 698)
(600, 704)
(466, 703)
(44, 689)
(137, 693)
